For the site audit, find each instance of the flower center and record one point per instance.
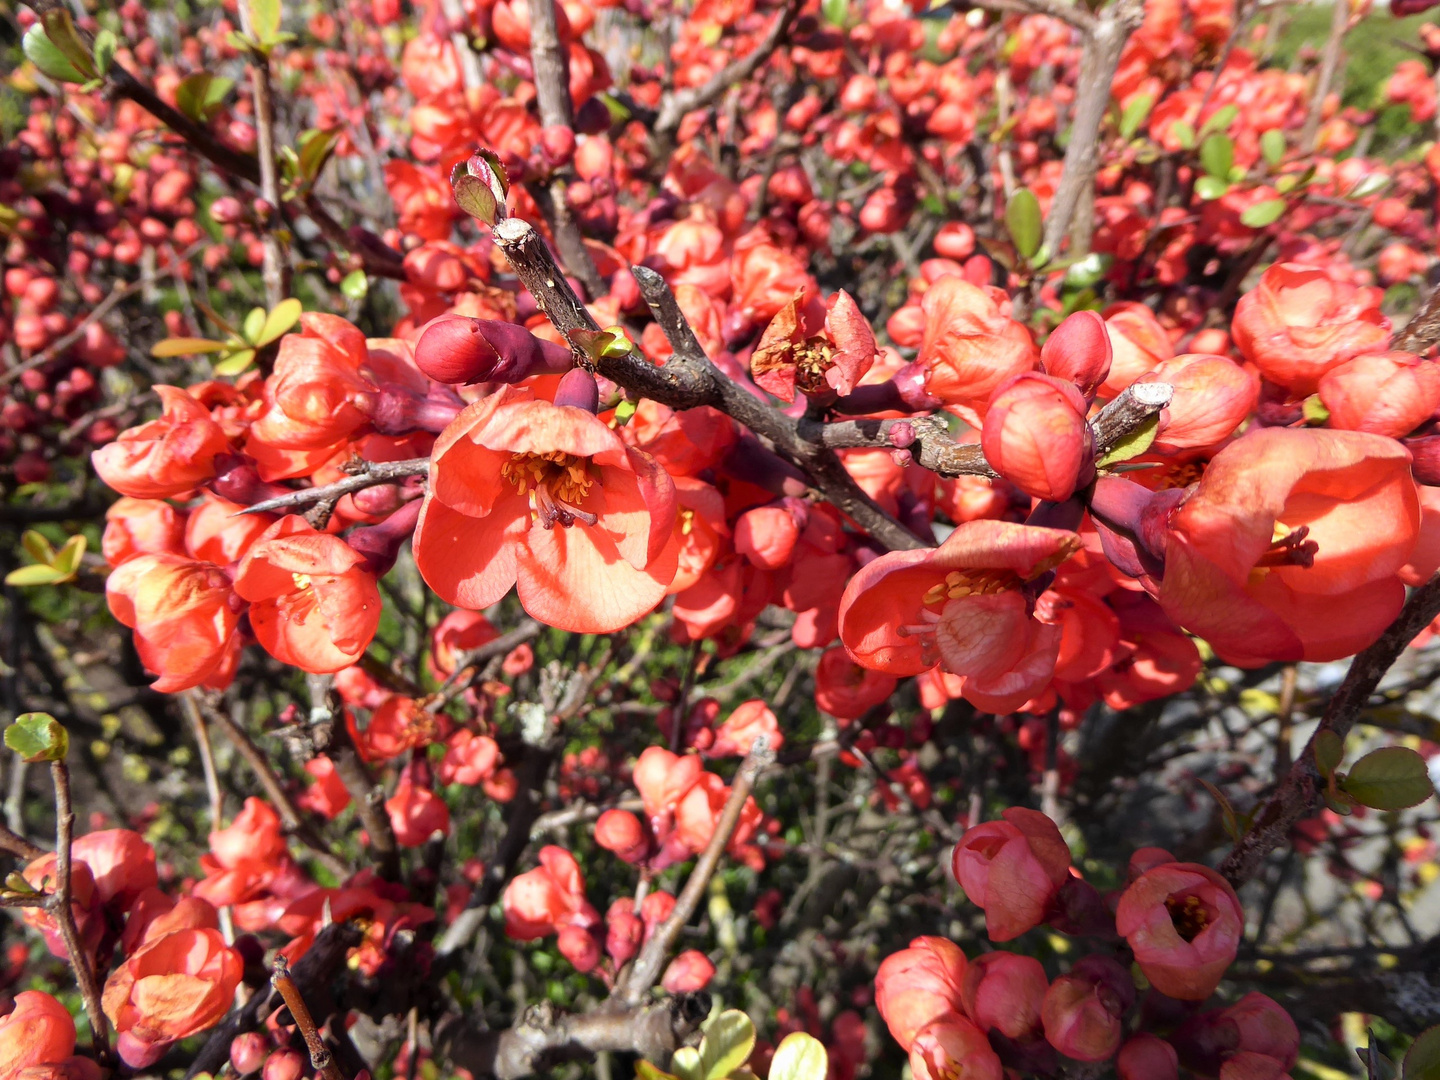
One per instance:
(555, 482)
(1188, 915)
(812, 360)
(1289, 548)
(302, 581)
(959, 584)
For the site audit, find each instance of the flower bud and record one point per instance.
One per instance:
(624, 931)
(38, 1031)
(1184, 923)
(1079, 351)
(766, 536)
(622, 832)
(557, 145)
(1147, 1057)
(1003, 992)
(459, 349)
(919, 985)
(248, 1052)
(688, 973)
(578, 945)
(579, 390)
(1389, 393)
(1212, 397)
(1082, 1010)
(416, 812)
(1036, 436)
(952, 1048)
(286, 1063)
(955, 240)
(1013, 869)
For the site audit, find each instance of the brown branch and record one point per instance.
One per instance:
(1329, 65)
(1104, 41)
(321, 1060)
(1130, 409)
(933, 447)
(369, 475)
(1423, 330)
(369, 799)
(18, 846)
(65, 916)
(273, 271)
(1298, 795)
(651, 962)
(290, 816)
(674, 108)
(544, 1037)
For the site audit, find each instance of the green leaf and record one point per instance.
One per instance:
(41, 52)
(1314, 411)
(38, 736)
(835, 12)
(1134, 115)
(1132, 445)
(286, 314)
(1217, 154)
(1088, 272)
(1369, 185)
(1329, 751)
(473, 196)
(253, 324)
(623, 412)
(646, 1071)
(315, 149)
(1391, 778)
(264, 20)
(686, 1064)
(67, 559)
(355, 285)
(729, 1038)
(186, 346)
(799, 1057)
(60, 29)
(37, 545)
(1272, 145)
(105, 45)
(1184, 134)
(15, 883)
(1211, 187)
(1220, 120)
(1422, 1062)
(235, 363)
(36, 574)
(1260, 214)
(1023, 220)
(201, 94)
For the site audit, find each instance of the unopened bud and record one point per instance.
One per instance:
(458, 349)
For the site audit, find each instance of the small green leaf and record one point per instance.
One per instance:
(236, 362)
(1260, 214)
(1134, 115)
(835, 12)
(37, 545)
(1023, 220)
(799, 1057)
(1088, 272)
(1370, 184)
(186, 346)
(201, 94)
(1220, 120)
(38, 736)
(253, 324)
(1422, 1062)
(1272, 145)
(686, 1064)
(1211, 187)
(1184, 134)
(729, 1038)
(36, 574)
(1132, 445)
(1217, 154)
(473, 196)
(67, 559)
(1391, 778)
(286, 314)
(41, 52)
(15, 883)
(105, 45)
(60, 29)
(315, 149)
(264, 20)
(1329, 751)
(355, 285)
(623, 412)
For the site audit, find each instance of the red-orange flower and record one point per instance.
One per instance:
(311, 603)
(38, 1031)
(1013, 869)
(316, 396)
(815, 347)
(184, 614)
(548, 499)
(1285, 528)
(141, 527)
(167, 456)
(971, 344)
(1184, 923)
(918, 985)
(178, 985)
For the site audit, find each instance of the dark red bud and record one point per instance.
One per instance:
(458, 349)
(578, 388)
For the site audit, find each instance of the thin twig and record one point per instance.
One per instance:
(651, 961)
(369, 475)
(321, 1060)
(191, 707)
(1329, 64)
(273, 271)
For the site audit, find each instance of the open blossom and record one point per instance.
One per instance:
(963, 605)
(547, 499)
(749, 721)
(1300, 321)
(37, 1031)
(175, 986)
(1013, 869)
(919, 985)
(121, 861)
(141, 527)
(815, 347)
(184, 614)
(316, 396)
(1184, 923)
(688, 973)
(165, 457)
(551, 900)
(1286, 527)
(311, 602)
(971, 343)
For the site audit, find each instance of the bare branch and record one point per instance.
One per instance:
(1073, 14)
(1134, 405)
(368, 474)
(932, 445)
(321, 1060)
